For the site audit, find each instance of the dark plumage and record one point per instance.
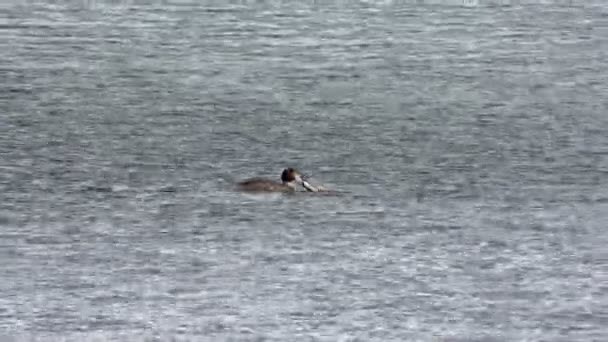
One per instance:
(290, 177)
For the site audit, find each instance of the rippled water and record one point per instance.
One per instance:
(469, 145)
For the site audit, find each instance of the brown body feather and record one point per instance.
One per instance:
(264, 185)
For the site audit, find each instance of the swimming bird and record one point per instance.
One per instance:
(289, 180)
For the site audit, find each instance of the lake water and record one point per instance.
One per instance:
(468, 142)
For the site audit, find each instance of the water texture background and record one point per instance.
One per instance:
(468, 140)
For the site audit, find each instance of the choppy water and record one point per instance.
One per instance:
(469, 142)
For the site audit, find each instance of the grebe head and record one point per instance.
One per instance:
(290, 175)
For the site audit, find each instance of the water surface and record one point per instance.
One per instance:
(469, 144)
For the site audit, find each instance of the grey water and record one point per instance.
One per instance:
(467, 142)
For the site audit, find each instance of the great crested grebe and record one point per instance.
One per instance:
(290, 178)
